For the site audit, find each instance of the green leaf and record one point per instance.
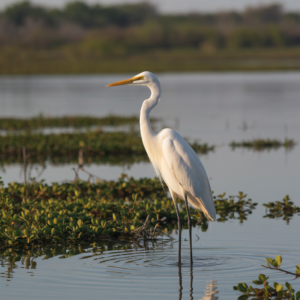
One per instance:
(79, 223)
(235, 288)
(274, 263)
(270, 260)
(26, 232)
(288, 285)
(242, 287)
(257, 282)
(262, 277)
(279, 287)
(251, 288)
(275, 284)
(269, 289)
(278, 260)
(114, 216)
(298, 296)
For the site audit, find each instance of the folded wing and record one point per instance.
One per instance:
(190, 173)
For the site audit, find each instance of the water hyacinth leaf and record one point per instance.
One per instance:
(278, 260)
(262, 277)
(274, 263)
(270, 260)
(288, 285)
(279, 287)
(26, 232)
(269, 289)
(242, 287)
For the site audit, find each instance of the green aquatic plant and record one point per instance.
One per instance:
(267, 144)
(37, 213)
(42, 121)
(93, 143)
(227, 208)
(284, 209)
(267, 291)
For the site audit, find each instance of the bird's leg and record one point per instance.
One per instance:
(174, 197)
(190, 227)
(191, 290)
(180, 282)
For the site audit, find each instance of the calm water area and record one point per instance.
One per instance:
(215, 108)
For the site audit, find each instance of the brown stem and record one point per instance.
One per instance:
(287, 272)
(25, 163)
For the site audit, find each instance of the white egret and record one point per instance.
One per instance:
(173, 159)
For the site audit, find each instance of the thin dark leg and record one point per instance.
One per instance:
(191, 290)
(190, 227)
(180, 282)
(174, 196)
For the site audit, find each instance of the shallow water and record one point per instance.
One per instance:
(223, 256)
(214, 108)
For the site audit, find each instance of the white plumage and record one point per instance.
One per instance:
(173, 158)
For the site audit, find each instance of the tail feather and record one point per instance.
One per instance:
(198, 203)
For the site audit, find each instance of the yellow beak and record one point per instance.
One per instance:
(127, 81)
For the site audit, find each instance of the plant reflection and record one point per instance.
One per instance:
(26, 258)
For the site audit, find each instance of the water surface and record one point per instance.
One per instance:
(213, 108)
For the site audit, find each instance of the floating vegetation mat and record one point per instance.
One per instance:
(284, 209)
(66, 121)
(38, 213)
(93, 143)
(260, 145)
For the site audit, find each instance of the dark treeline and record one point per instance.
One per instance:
(131, 28)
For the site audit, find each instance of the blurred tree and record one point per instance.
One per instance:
(18, 13)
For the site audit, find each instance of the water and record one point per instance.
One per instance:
(213, 108)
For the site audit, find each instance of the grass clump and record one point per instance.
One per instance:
(66, 121)
(281, 209)
(267, 144)
(93, 143)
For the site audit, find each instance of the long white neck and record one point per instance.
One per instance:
(148, 105)
(148, 136)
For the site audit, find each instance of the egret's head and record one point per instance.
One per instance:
(145, 78)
